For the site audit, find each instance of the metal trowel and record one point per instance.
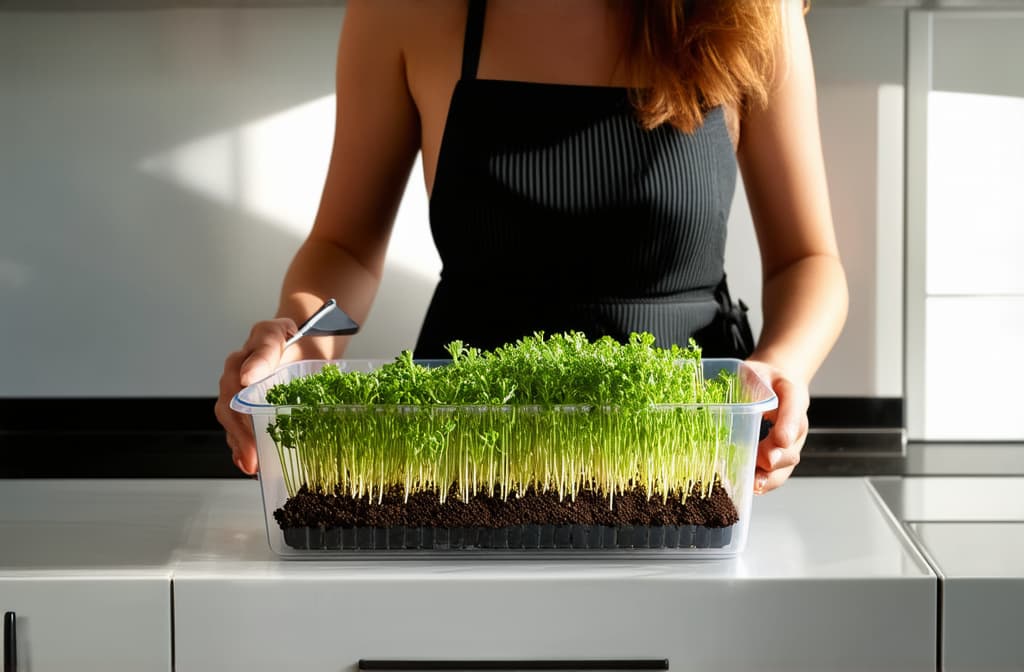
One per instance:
(328, 320)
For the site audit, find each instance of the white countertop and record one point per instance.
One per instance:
(974, 550)
(954, 498)
(812, 528)
(828, 580)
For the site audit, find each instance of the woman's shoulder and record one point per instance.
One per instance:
(427, 33)
(415, 22)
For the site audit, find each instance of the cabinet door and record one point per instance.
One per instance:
(89, 623)
(982, 591)
(320, 623)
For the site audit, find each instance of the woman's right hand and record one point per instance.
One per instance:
(376, 141)
(257, 359)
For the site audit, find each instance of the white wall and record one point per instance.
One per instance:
(158, 169)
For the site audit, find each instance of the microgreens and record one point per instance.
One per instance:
(559, 413)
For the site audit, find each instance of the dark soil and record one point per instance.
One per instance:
(309, 509)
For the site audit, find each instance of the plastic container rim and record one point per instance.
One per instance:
(243, 406)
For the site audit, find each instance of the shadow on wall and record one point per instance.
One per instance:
(160, 169)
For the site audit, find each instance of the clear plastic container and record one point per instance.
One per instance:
(581, 432)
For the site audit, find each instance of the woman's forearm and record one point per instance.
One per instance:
(321, 270)
(804, 308)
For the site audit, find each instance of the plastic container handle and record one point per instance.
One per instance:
(10, 642)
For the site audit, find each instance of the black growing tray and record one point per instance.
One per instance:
(519, 537)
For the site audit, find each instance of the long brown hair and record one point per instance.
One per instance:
(693, 55)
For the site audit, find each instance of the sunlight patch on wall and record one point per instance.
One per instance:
(282, 161)
(975, 200)
(273, 168)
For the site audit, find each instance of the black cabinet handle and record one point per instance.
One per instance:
(510, 665)
(10, 642)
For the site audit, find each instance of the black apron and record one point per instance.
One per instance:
(553, 209)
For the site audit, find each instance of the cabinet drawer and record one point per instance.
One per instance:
(90, 623)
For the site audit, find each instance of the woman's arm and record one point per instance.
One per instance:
(375, 143)
(804, 297)
(376, 139)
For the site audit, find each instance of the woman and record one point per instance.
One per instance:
(580, 157)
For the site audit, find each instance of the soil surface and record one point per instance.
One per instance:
(315, 509)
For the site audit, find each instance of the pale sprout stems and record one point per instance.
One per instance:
(667, 448)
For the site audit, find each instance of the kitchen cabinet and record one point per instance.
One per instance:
(84, 568)
(982, 569)
(828, 581)
(89, 623)
(117, 575)
(971, 529)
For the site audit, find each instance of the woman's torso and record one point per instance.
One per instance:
(563, 42)
(551, 208)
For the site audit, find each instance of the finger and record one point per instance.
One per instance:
(234, 423)
(767, 482)
(242, 444)
(245, 458)
(265, 345)
(779, 458)
(243, 447)
(232, 446)
(791, 416)
(771, 456)
(760, 480)
(237, 428)
(230, 382)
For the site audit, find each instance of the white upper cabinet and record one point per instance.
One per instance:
(965, 225)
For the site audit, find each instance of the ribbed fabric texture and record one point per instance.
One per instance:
(553, 209)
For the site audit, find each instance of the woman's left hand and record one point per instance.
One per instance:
(779, 452)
